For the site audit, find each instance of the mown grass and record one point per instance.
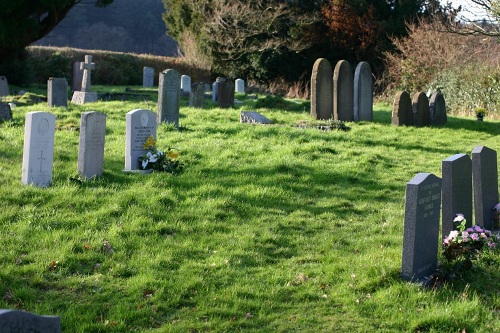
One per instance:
(268, 229)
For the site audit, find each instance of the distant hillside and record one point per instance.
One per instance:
(124, 26)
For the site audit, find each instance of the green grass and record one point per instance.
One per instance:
(268, 229)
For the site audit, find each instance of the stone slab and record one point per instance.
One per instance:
(83, 97)
(254, 118)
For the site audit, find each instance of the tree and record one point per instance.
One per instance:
(23, 22)
(475, 17)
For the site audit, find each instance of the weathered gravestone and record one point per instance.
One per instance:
(214, 91)
(57, 92)
(169, 97)
(402, 114)
(77, 76)
(225, 91)
(185, 85)
(254, 118)
(5, 112)
(421, 112)
(363, 92)
(421, 227)
(322, 90)
(85, 95)
(91, 148)
(437, 108)
(15, 321)
(457, 191)
(4, 86)
(343, 92)
(140, 124)
(148, 77)
(197, 96)
(485, 182)
(239, 86)
(38, 151)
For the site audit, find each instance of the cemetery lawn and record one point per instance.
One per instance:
(269, 228)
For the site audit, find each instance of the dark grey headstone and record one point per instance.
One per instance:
(485, 182)
(402, 114)
(437, 107)
(4, 86)
(148, 77)
(421, 112)
(91, 148)
(421, 227)
(343, 92)
(14, 321)
(197, 95)
(214, 91)
(322, 90)
(169, 92)
(57, 92)
(5, 111)
(457, 191)
(225, 94)
(140, 124)
(254, 118)
(363, 92)
(77, 77)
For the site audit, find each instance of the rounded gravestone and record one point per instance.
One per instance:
(402, 114)
(421, 112)
(322, 90)
(363, 92)
(343, 92)
(437, 107)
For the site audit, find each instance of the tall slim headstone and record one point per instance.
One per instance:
(4, 86)
(421, 112)
(185, 85)
(437, 107)
(57, 92)
(421, 227)
(169, 92)
(140, 124)
(363, 92)
(16, 321)
(239, 86)
(457, 191)
(225, 97)
(343, 92)
(214, 91)
(322, 90)
(77, 76)
(197, 96)
(85, 95)
(5, 112)
(91, 148)
(485, 182)
(402, 114)
(148, 77)
(38, 151)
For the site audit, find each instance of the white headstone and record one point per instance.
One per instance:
(140, 124)
(186, 84)
(239, 86)
(91, 148)
(38, 151)
(148, 77)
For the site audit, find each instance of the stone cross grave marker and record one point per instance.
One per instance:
(140, 124)
(77, 76)
(4, 86)
(38, 151)
(457, 191)
(421, 227)
(57, 92)
(15, 321)
(322, 90)
(363, 92)
(85, 95)
(5, 112)
(402, 114)
(239, 86)
(185, 85)
(343, 92)
(148, 77)
(485, 182)
(437, 108)
(197, 96)
(169, 93)
(225, 91)
(421, 112)
(91, 148)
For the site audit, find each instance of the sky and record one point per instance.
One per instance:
(469, 9)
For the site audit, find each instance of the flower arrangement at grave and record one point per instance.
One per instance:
(480, 112)
(466, 243)
(155, 159)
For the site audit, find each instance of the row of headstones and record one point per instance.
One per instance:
(341, 94)
(419, 110)
(38, 149)
(428, 195)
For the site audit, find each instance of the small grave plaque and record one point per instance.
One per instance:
(254, 118)
(14, 321)
(421, 227)
(140, 124)
(91, 148)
